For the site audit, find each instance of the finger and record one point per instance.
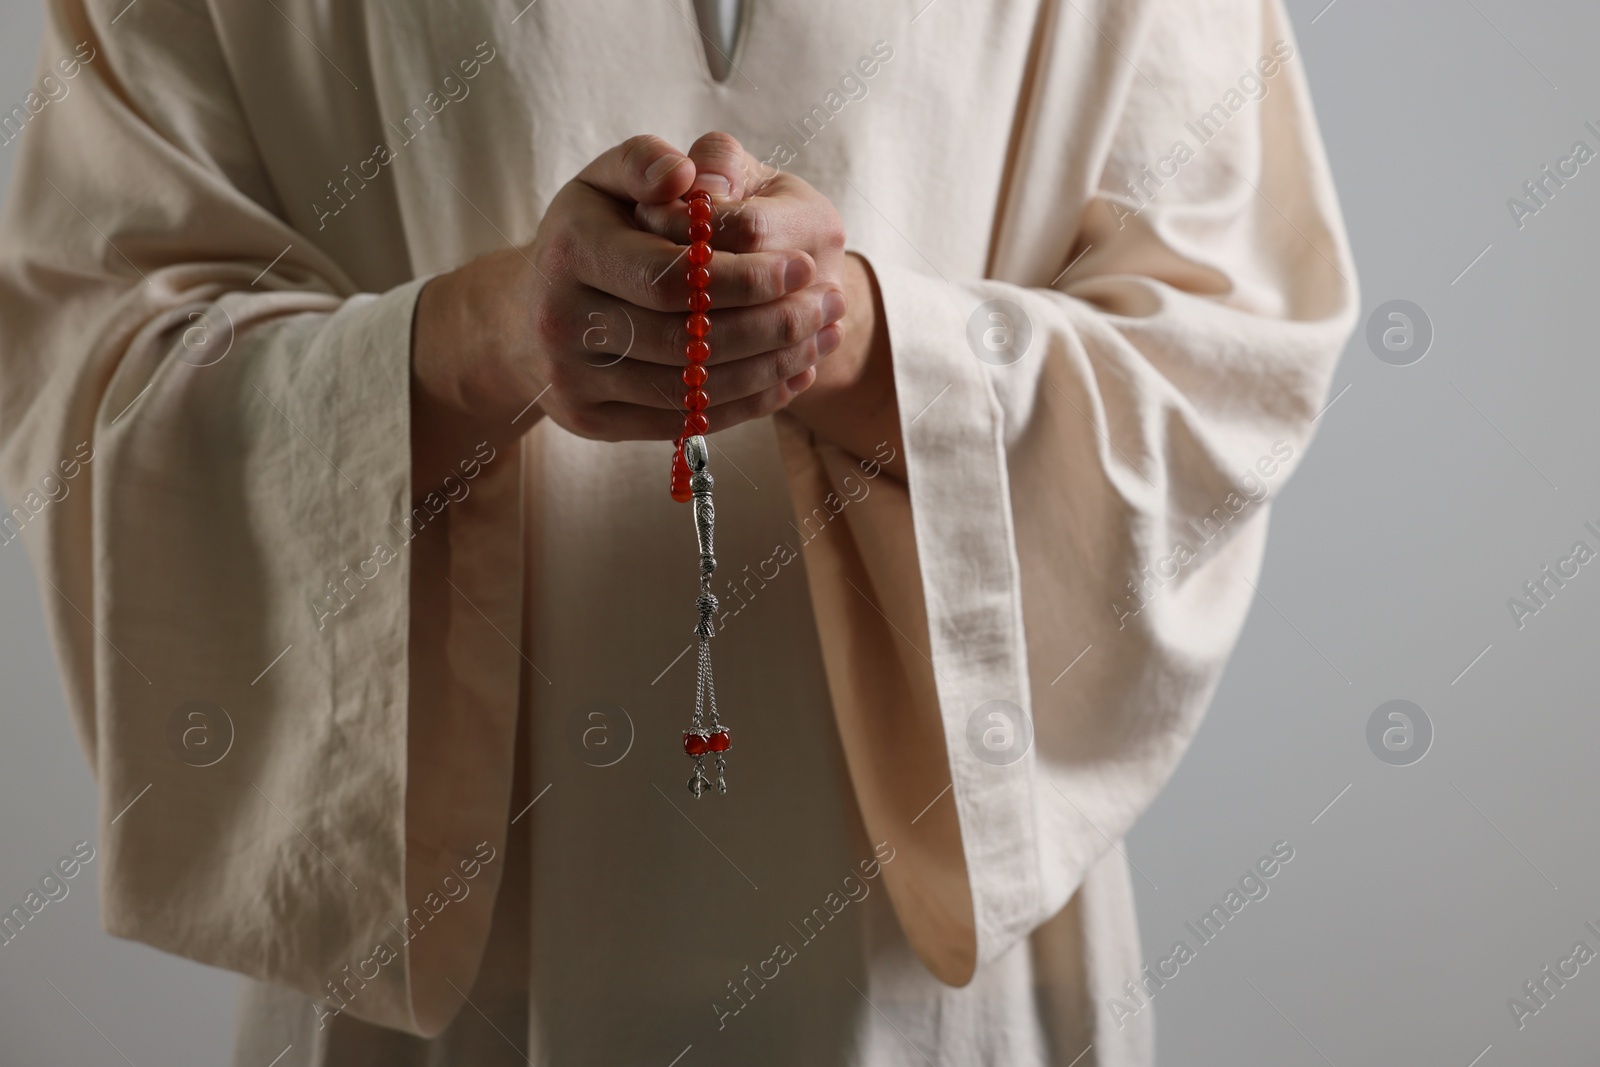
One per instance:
(732, 175)
(655, 385)
(781, 219)
(736, 333)
(619, 421)
(608, 254)
(642, 169)
(759, 405)
(598, 245)
(593, 332)
(723, 168)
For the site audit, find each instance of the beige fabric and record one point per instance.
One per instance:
(208, 275)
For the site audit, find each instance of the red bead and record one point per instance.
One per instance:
(697, 351)
(680, 475)
(719, 741)
(695, 744)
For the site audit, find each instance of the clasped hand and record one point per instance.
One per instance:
(586, 323)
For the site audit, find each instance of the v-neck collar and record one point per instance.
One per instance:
(720, 23)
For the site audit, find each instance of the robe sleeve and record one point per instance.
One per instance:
(206, 443)
(1088, 488)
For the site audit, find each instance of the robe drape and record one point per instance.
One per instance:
(1116, 284)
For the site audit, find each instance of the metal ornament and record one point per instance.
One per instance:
(706, 734)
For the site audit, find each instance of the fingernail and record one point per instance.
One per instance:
(800, 381)
(715, 184)
(832, 306)
(797, 273)
(662, 167)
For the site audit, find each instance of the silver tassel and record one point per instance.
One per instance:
(706, 725)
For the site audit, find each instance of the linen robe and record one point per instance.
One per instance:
(1115, 282)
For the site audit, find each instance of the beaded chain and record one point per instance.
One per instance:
(698, 349)
(691, 480)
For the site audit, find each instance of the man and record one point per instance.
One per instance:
(373, 315)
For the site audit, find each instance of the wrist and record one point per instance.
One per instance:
(469, 328)
(852, 403)
(461, 392)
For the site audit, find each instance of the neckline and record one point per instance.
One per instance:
(722, 25)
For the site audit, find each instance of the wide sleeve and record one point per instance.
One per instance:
(297, 688)
(1021, 640)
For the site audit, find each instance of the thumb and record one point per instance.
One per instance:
(723, 168)
(643, 169)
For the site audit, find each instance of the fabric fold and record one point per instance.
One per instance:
(229, 582)
(1093, 435)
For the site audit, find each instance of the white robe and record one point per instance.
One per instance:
(208, 275)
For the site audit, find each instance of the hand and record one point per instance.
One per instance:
(587, 322)
(851, 401)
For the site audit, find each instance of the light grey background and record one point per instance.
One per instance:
(1425, 896)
